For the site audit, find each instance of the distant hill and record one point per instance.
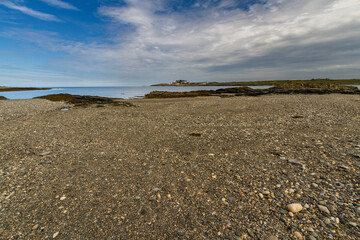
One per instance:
(13, 89)
(264, 83)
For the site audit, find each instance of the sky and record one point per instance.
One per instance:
(53, 43)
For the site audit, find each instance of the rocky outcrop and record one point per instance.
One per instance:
(13, 89)
(84, 101)
(288, 88)
(3, 98)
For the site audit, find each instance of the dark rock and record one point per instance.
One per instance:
(84, 101)
(287, 88)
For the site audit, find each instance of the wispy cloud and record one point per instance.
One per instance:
(48, 40)
(29, 11)
(213, 41)
(60, 4)
(275, 36)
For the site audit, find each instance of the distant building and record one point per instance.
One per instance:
(181, 82)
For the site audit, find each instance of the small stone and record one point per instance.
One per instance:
(314, 185)
(266, 192)
(35, 227)
(261, 195)
(306, 206)
(44, 153)
(63, 197)
(251, 233)
(323, 209)
(291, 190)
(310, 229)
(311, 237)
(354, 224)
(294, 207)
(298, 236)
(272, 237)
(339, 185)
(55, 234)
(332, 209)
(291, 214)
(156, 189)
(344, 168)
(294, 161)
(333, 198)
(328, 221)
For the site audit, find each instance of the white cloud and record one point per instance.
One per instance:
(207, 42)
(29, 11)
(60, 4)
(215, 37)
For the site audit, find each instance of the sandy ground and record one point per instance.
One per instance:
(201, 168)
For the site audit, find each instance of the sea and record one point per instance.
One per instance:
(111, 92)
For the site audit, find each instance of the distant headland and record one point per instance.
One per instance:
(13, 89)
(260, 83)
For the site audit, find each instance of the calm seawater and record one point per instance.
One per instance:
(112, 92)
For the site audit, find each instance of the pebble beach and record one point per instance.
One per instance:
(265, 167)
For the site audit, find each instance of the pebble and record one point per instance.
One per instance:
(44, 153)
(261, 195)
(35, 227)
(251, 233)
(333, 198)
(314, 185)
(63, 198)
(298, 236)
(272, 237)
(294, 207)
(294, 161)
(332, 209)
(55, 234)
(306, 206)
(291, 190)
(266, 192)
(311, 237)
(354, 224)
(323, 209)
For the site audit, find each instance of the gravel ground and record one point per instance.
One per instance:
(201, 168)
(25, 108)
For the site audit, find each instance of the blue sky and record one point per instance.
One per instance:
(141, 42)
